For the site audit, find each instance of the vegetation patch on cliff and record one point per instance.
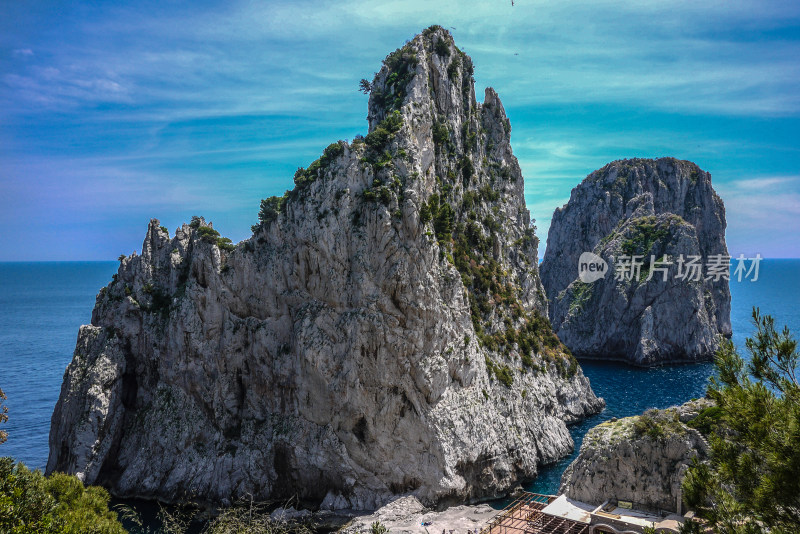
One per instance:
(659, 424)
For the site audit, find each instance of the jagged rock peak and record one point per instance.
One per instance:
(430, 71)
(382, 332)
(663, 209)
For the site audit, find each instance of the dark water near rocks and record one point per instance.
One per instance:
(43, 304)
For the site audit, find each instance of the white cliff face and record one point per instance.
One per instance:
(664, 208)
(367, 341)
(640, 459)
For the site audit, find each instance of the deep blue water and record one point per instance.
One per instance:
(43, 304)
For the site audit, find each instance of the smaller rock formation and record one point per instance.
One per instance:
(639, 459)
(647, 234)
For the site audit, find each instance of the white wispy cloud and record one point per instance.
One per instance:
(762, 213)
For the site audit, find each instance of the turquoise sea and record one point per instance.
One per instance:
(43, 304)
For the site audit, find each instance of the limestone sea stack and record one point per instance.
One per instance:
(641, 459)
(384, 331)
(657, 229)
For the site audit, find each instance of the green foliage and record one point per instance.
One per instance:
(581, 295)
(196, 222)
(467, 169)
(441, 135)
(452, 68)
(441, 47)
(165, 230)
(527, 361)
(160, 301)
(424, 213)
(225, 243)
(442, 216)
(658, 424)
(331, 153)
(364, 86)
(644, 233)
(468, 200)
(382, 194)
(430, 30)
(504, 375)
(488, 194)
(305, 177)
(379, 138)
(401, 66)
(33, 503)
(707, 420)
(208, 234)
(253, 520)
(443, 222)
(502, 372)
(241, 518)
(270, 209)
(378, 528)
(752, 483)
(690, 526)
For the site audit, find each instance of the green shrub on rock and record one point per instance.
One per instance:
(441, 135)
(378, 138)
(442, 48)
(33, 503)
(270, 209)
(208, 234)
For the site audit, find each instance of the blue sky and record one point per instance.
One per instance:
(112, 115)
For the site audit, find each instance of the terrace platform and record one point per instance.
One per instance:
(532, 513)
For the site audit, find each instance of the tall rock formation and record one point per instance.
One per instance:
(636, 211)
(383, 331)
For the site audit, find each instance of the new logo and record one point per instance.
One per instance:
(591, 267)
